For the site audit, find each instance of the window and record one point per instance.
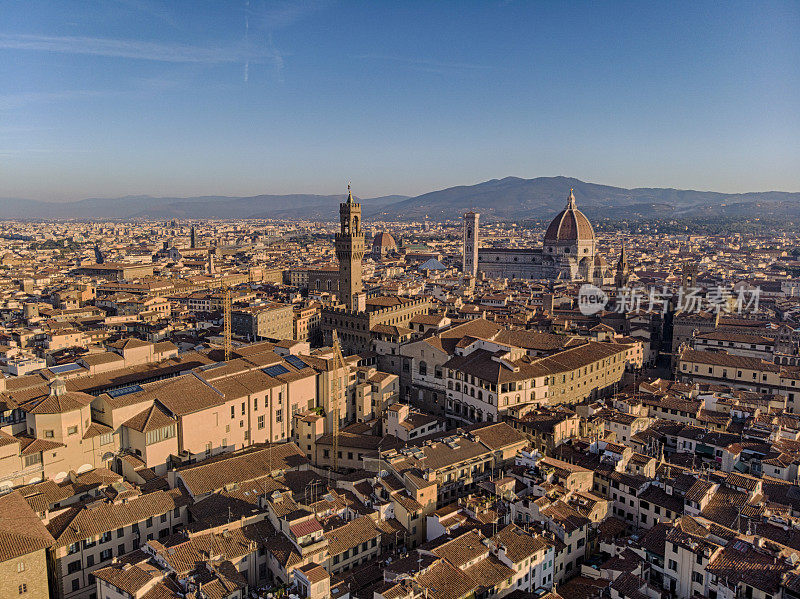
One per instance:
(106, 438)
(160, 434)
(673, 565)
(21, 567)
(33, 459)
(278, 416)
(23, 588)
(48, 434)
(105, 555)
(89, 560)
(233, 412)
(72, 430)
(76, 584)
(73, 567)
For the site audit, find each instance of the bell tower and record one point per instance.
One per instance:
(350, 251)
(622, 275)
(470, 248)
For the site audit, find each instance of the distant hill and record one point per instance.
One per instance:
(294, 206)
(511, 198)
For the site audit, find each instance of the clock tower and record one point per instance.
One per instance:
(349, 252)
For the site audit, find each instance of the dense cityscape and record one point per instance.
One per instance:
(382, 410)
(335, 299)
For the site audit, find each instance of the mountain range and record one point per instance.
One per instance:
(511, 198)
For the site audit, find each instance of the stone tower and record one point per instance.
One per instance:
(193, 238)
(622, 276)
(689, 275)
(470, 257)
(349, 252)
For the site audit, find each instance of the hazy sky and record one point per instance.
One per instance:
(125, 97)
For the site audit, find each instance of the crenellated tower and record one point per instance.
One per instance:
(350, 251)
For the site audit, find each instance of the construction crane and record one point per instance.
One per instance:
(338, 360)
(226, 306)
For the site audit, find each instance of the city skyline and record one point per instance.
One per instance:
(112, 99)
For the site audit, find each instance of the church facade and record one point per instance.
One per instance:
(568, 253)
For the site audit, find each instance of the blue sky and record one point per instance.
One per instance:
(244, 97)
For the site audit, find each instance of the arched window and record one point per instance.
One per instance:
(423, 368)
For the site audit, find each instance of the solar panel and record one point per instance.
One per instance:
(125, 390)
(296, 362)
(276, 370)
(61, 369)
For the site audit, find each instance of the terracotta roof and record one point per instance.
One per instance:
(740, 562)
(57, 404)
(30, 445)
(351, 534)
(213, 474)
(21, 530)
(444, 581)
(462, 549)
(150, 419)
(498, 436)
(81, 522)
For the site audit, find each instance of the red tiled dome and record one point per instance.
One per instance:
(570, 225)
(384, 239)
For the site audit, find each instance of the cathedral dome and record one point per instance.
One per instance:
(384, 240)
(569, 225)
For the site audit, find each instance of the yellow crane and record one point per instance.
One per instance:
(336, 391)
(226, 306)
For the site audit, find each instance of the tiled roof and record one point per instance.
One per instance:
(215, 473)
(21, 530)
(85, 521)
(444, 581)
(351, 534)
(150, 419)
(498, 436)
(462, 549)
